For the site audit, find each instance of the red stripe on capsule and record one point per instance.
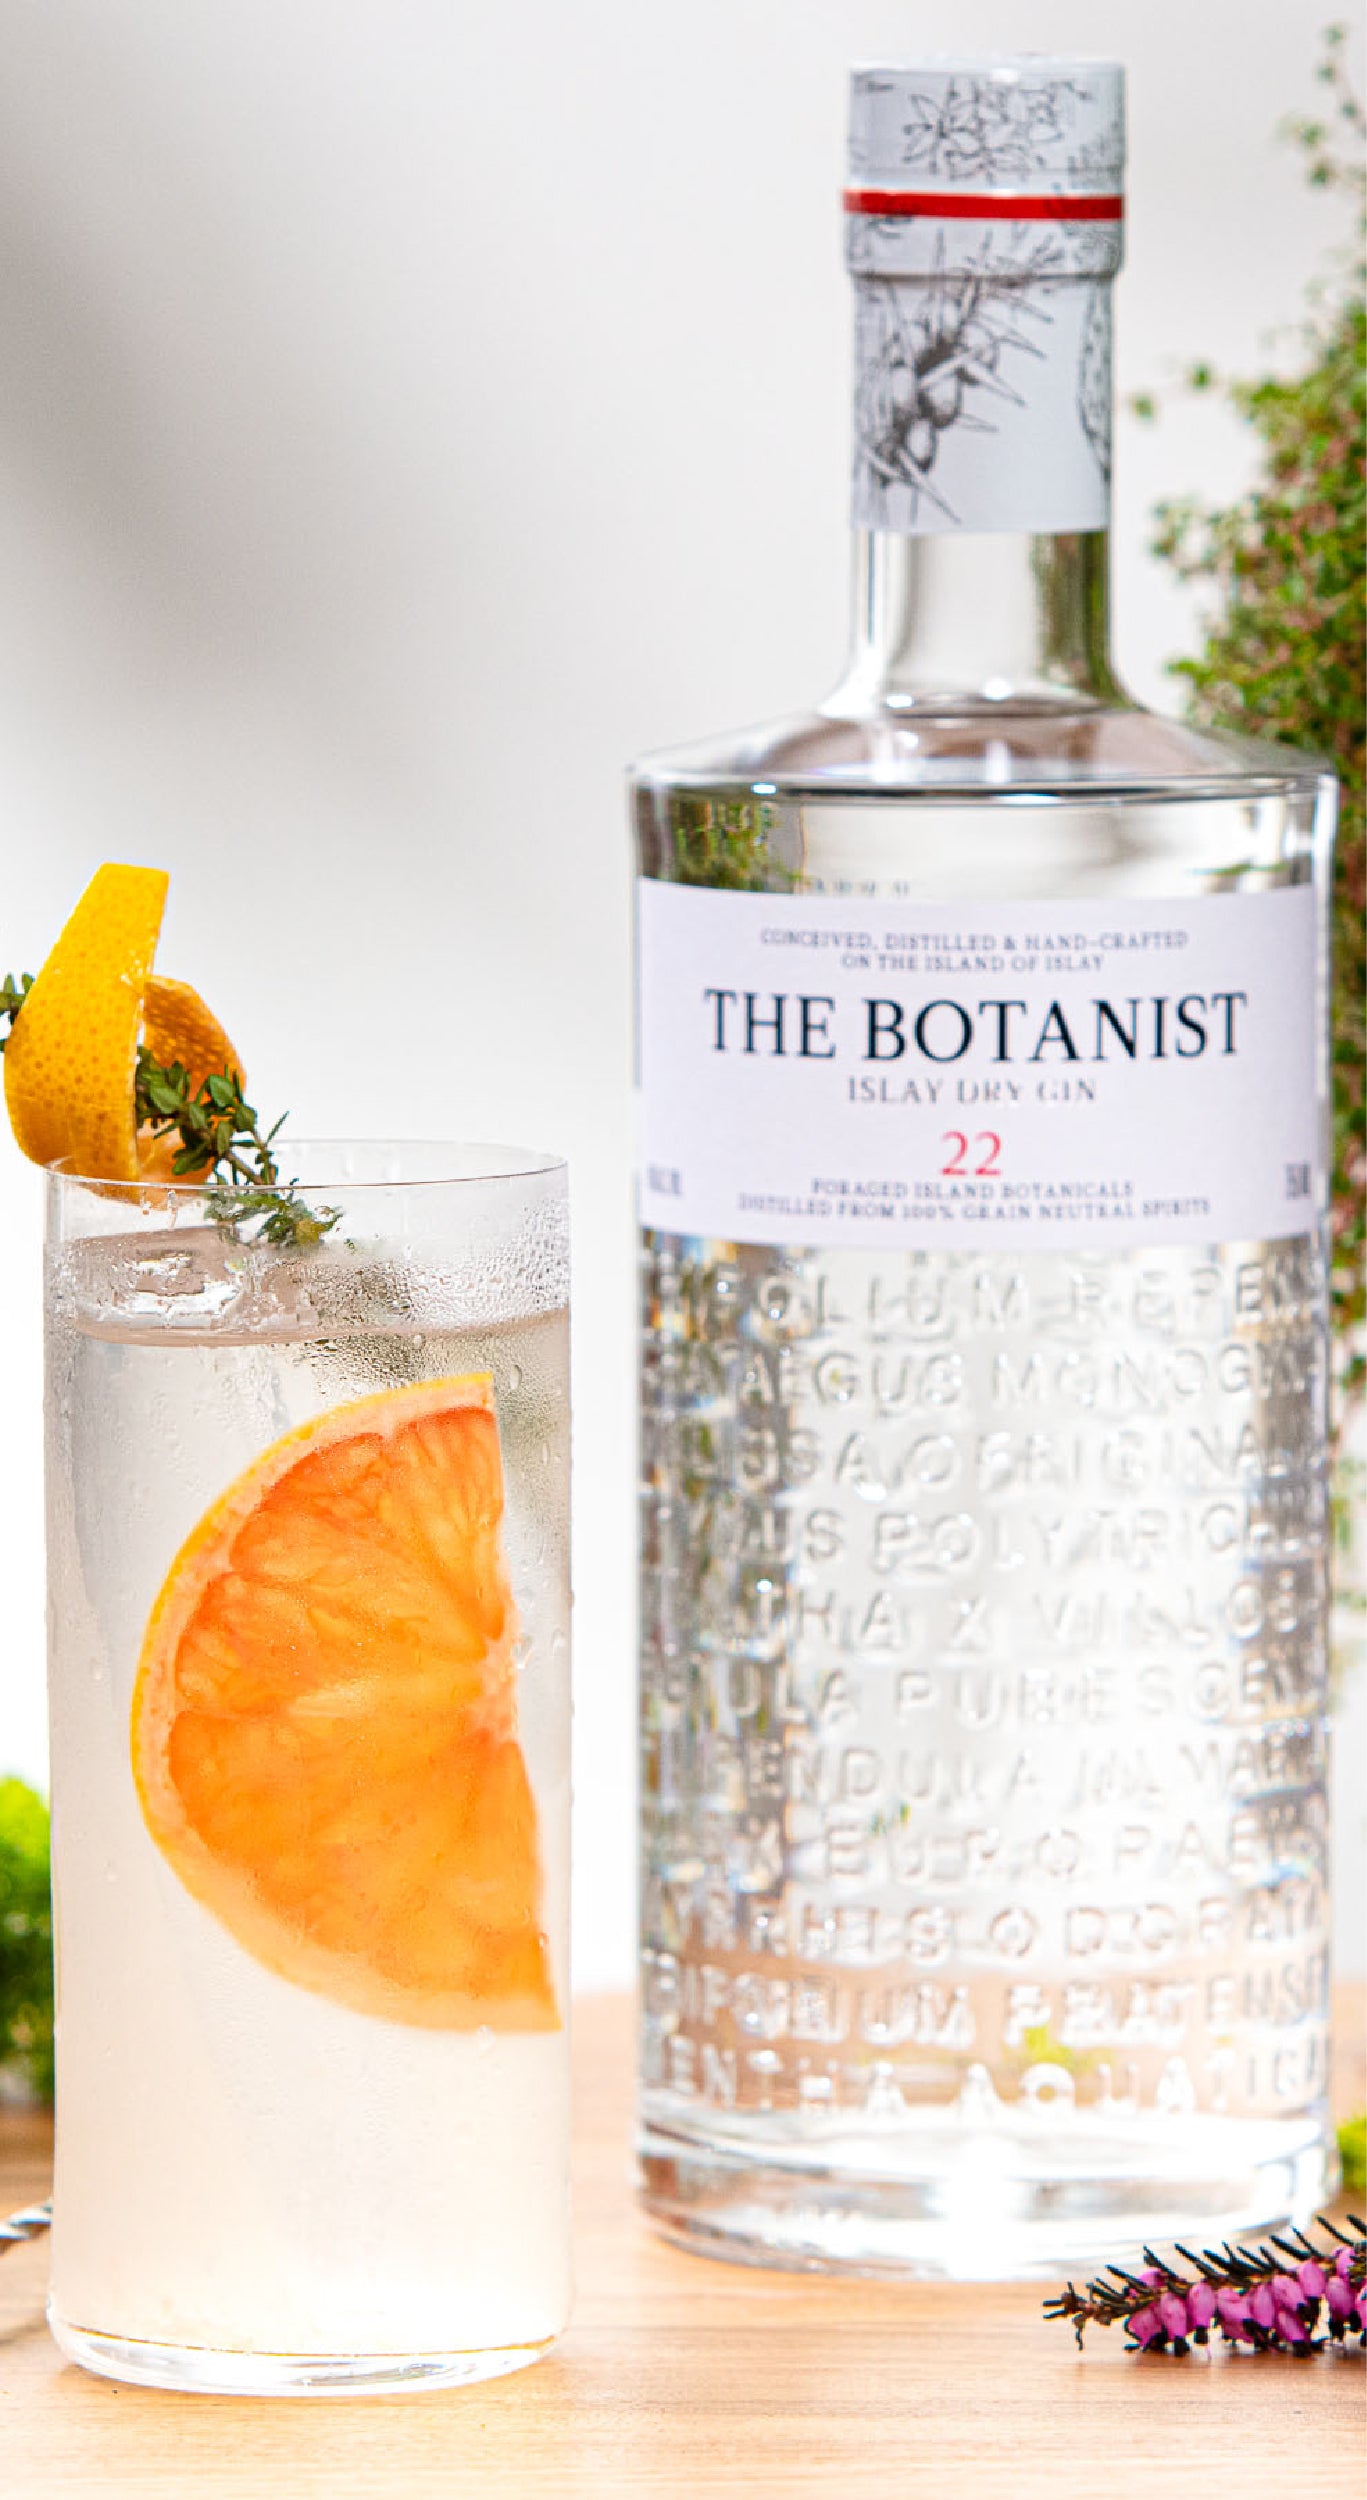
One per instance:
(1101, 208)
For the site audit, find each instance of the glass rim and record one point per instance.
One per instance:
(501, 1163)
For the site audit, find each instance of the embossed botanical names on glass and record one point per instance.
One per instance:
(983, 1478)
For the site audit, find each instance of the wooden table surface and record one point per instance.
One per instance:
(681, 2377)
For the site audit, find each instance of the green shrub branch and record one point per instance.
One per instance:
(1283, 655)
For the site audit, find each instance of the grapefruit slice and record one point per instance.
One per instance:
(72, 1057)
(324, 1731)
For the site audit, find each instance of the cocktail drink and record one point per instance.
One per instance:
(308, 1566)
(307, 1524)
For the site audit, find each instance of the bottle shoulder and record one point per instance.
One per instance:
(979, 750)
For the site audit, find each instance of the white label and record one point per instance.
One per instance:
(955, 1076)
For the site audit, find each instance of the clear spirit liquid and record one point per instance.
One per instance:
(257, 2187)
(984, 1587)
(985, 1911)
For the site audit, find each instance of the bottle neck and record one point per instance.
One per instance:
(981, 470)
(978, 620)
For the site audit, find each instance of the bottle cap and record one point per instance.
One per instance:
(982, 228)
(1026, 133)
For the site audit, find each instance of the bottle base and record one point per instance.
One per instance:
(983, 2217)
(195, 2369)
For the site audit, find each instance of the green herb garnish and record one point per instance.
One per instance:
(220, 1134)
(220, 1137)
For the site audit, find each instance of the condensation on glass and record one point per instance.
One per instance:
(261, 2189)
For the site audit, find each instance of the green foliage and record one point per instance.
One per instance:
(12, 996)
(723, 842)
(218, 1132)
(1042, 2047)
(1284, 654)
(25, 1936)
(1353, 2154)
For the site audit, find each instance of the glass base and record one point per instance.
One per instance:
(195, 2369)
(975, 2220)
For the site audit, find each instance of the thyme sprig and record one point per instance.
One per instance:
(1288, 2295)
(12, 996)
(219, 1136)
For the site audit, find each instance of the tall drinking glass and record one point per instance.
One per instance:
(308, 1515)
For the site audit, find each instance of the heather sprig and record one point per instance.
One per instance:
(1289, 2295)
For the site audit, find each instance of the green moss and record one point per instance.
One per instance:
(25, 1936)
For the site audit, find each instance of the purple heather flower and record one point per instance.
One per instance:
(1296, 2298)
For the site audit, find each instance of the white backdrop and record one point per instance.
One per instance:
(409, 410)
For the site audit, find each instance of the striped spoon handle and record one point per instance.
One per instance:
(27, 2225)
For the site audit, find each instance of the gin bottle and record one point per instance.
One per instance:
(982, 1064)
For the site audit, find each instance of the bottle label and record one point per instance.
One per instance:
(983, 227)
(983, 404)
(1052, 1075)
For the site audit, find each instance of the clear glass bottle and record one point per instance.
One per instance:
(983, 1080)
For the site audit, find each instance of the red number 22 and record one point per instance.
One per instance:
(987, 1168)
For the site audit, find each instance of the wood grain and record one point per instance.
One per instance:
(680, 2377)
